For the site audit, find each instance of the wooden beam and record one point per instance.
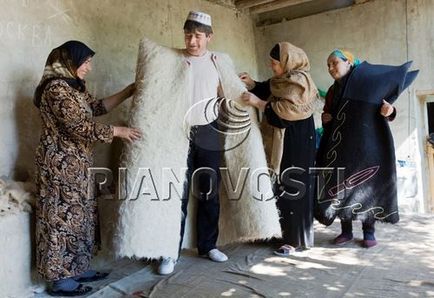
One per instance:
(241, 4)
(424, 92)
(360, 1)
(430, 154)
(274, 5)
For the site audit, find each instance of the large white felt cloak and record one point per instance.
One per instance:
(150, 210)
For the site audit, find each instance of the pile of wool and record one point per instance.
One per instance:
(15, 197)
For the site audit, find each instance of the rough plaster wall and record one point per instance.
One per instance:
(421, 40)
(420, 18)
(15, 255)
(383, 32)
(356, 28)
(30, 29)
(375, 31)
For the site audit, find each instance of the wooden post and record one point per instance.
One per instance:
(430, 155)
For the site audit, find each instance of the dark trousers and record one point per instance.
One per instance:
(367, 226)
(203, 179)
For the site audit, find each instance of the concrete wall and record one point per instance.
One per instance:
(383, 32)
(15, 255)
(420, 15)
(29, 29)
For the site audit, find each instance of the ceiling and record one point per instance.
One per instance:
(274, 11)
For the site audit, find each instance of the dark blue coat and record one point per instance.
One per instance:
(359, 142)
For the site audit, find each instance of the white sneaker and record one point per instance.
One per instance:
(217, 256)
(167, 265)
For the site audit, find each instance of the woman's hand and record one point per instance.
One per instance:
(247, 80)
(326, 118)
(129, 134)
(386, 109)
(129, 90)
(252, 100)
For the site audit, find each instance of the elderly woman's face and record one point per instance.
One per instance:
(276, 67)
(85, 68)
(337, 67)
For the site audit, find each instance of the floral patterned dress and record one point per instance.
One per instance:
(65, 212)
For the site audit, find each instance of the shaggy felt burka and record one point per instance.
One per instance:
(151, 191)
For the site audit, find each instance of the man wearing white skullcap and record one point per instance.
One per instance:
(199, 17)
(206, 146)
(178, 89)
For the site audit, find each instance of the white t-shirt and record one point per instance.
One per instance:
(205, 90)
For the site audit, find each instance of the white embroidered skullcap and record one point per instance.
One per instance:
(199, 17)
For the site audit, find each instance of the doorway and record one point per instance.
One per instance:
(426, 129)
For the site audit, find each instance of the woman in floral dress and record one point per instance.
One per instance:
(65, 212)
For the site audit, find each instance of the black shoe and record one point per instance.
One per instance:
(79, 291)
(97, 276)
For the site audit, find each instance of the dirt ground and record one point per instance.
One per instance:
(401, 265)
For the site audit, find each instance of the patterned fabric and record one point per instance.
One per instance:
(63, 62)
(65, 212)
(293, 92)
(345, 55)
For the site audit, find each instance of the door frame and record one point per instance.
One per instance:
(426, 150)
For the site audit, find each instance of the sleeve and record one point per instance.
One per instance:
(273, 119)
(96, 105)
(262, 90)
(72, 116)
(328, 100)
(98, 108)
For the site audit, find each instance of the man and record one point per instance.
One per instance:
(176, 87)
(204, 155)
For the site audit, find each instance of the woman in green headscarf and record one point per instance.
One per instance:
(341, 65)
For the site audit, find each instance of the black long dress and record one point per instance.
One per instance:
(296, 210)
(359, 140)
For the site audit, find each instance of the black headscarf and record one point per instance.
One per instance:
(275, 52)
(78, 52)
(62, 63)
